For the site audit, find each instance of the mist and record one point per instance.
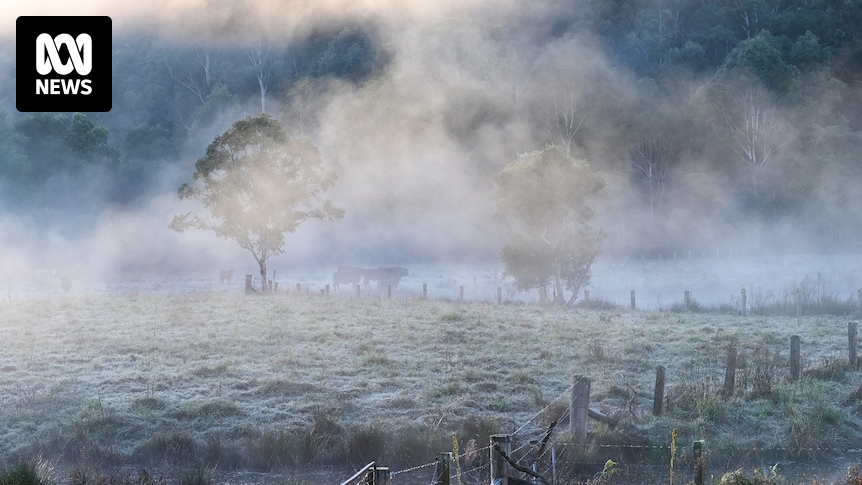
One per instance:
(453, 92)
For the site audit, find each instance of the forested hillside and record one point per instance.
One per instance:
(706, 118)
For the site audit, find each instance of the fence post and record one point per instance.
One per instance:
(798, 302)
(633, 300)
(388, 292)
(499, 465)
(686, 300)
(744, 302)
(730, 372)
(380, 475)
(442, 469)
(587, 298)
(461, 293)
(699, 461)
(795, 358)
(859, 301)
(248, 288)
(853, 342)
(275, 288)
(357, 290)
(298, 288)
(580, 409)
(424, 291)
(499, 295)
(658, 394)
(327, 290)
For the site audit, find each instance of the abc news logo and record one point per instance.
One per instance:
(71, 69)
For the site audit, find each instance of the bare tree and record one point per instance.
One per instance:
(566, 119)
(261, 59)
(650, 158)
(757, 129)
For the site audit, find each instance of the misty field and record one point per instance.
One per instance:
(230, 382)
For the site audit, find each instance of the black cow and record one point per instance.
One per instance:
(345, 275)
(224, 276)
(385, 276)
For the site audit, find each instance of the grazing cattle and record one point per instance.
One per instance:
(224, 276)
(66, 284)
(384, 276)
(345, 275)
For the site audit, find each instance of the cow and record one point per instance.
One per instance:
(384, 276)
(347, 274)
(224, 276)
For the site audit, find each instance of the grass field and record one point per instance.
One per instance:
(220, 381)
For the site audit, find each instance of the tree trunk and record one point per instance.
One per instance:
(262, 263)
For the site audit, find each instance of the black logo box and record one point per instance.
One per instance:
(28, 29)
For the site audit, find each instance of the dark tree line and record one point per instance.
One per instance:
(730, 108)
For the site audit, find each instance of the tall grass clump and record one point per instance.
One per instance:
(27, 473)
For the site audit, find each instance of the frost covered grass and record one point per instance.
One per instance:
(272, 383)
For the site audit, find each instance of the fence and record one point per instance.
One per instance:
(536, 454)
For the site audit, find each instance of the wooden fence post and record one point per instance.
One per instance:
(275, 288)
(587, 298)
(248, 288)
(499, 295)
(730, 372)
(699, 462)
(442, 469)
(327, 290)
(358, 287)
(499, 465)
(852, 341)
(798, 302)
(380, 475)
(795, 358)
(859, 301)
(461, 293)
(686, 301)
(424, 291)
(580, 409)
(744, 305)
(298, 288)
(634, 307)
(658, 394)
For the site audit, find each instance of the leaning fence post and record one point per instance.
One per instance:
(580, 409)
(730, 372)
(795, 358)
(852, 341)
(743, 306)
(699, 461)
(633, 300)
(499, 465)
(658, 395)
(442, 469)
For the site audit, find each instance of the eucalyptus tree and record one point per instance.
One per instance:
(258, 184)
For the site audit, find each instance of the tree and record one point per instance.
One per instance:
(545, 194)
(258, 184)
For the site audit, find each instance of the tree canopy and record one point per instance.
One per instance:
(545, 196)
(257, 184)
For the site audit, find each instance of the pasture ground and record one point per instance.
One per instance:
(221, 381)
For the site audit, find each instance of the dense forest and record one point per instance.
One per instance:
(738, 119)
